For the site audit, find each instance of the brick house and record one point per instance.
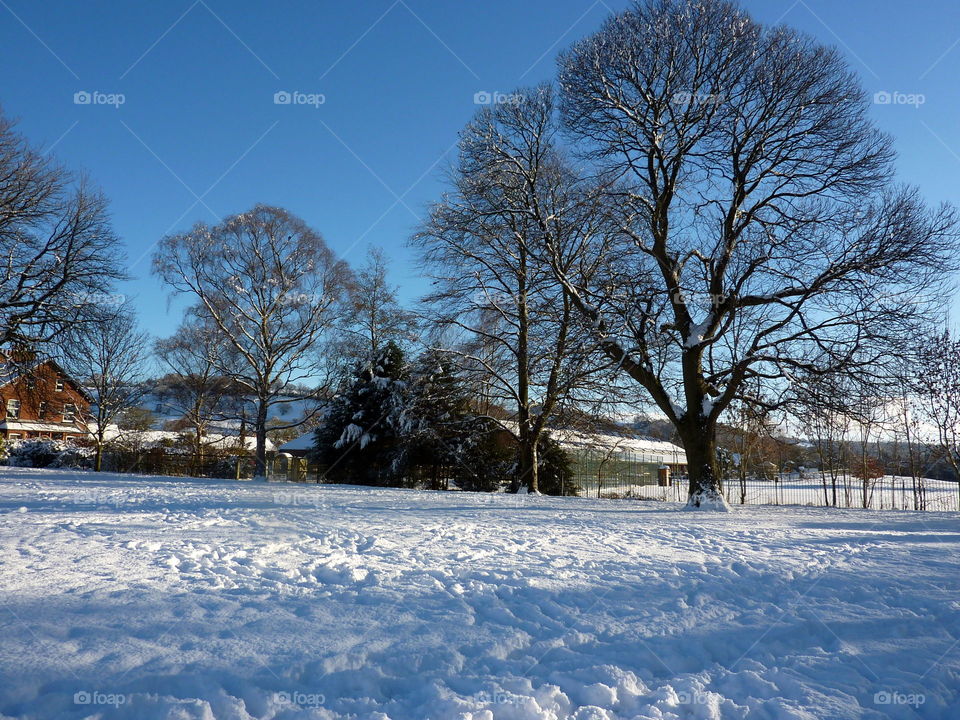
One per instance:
(39, 400)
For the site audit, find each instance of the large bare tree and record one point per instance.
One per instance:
(505, 321)
(272, 287)
(760, 234)
(58, 253)
(109, 356)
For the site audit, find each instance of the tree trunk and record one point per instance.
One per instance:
(528, 439)
(98, 457)
(529, 471)
(242, 450)
(700, 443)
(260, 431)
(198, 443)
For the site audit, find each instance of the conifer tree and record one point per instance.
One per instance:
(358, 441)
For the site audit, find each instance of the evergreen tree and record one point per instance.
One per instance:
(556, 470)
(436, 421)
(487, 458)
(360, 440)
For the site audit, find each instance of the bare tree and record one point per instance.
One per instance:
(821, 406)
(197, 355)
(58, 251)
(761, 234)
(504, 320)
(272, 288)
(750, 425)
(869, 421)
(109, 357)
(376, 317)
(908, 429)
(938, 391)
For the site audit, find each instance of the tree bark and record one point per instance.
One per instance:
(528, 438)
(700, 442)
(260, 432)
(529, 471)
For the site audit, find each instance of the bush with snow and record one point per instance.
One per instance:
(42, 453)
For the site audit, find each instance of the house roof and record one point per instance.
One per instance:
(18, 371)
(614, 442)
(657, 449)
(209, 440)
(299, 444)
(16, 425)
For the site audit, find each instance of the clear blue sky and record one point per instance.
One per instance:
(398, 78)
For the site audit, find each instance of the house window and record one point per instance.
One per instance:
(13, 436)
(59, 384)
(42, 409)
(13, 409)
(69, 413)
(57, 436)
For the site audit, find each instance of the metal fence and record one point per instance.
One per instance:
(890, 492)
(629, 476)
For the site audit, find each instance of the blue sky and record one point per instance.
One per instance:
(199, 136)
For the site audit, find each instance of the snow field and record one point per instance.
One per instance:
(137, 597)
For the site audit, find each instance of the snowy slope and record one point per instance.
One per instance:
(149, 598)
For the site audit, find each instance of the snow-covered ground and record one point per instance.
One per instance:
(145, 598)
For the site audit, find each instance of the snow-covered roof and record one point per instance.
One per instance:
(657, 449)
(209, 440)
(299, 444)
(652, 450)
(607, 441)
(17, 426)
